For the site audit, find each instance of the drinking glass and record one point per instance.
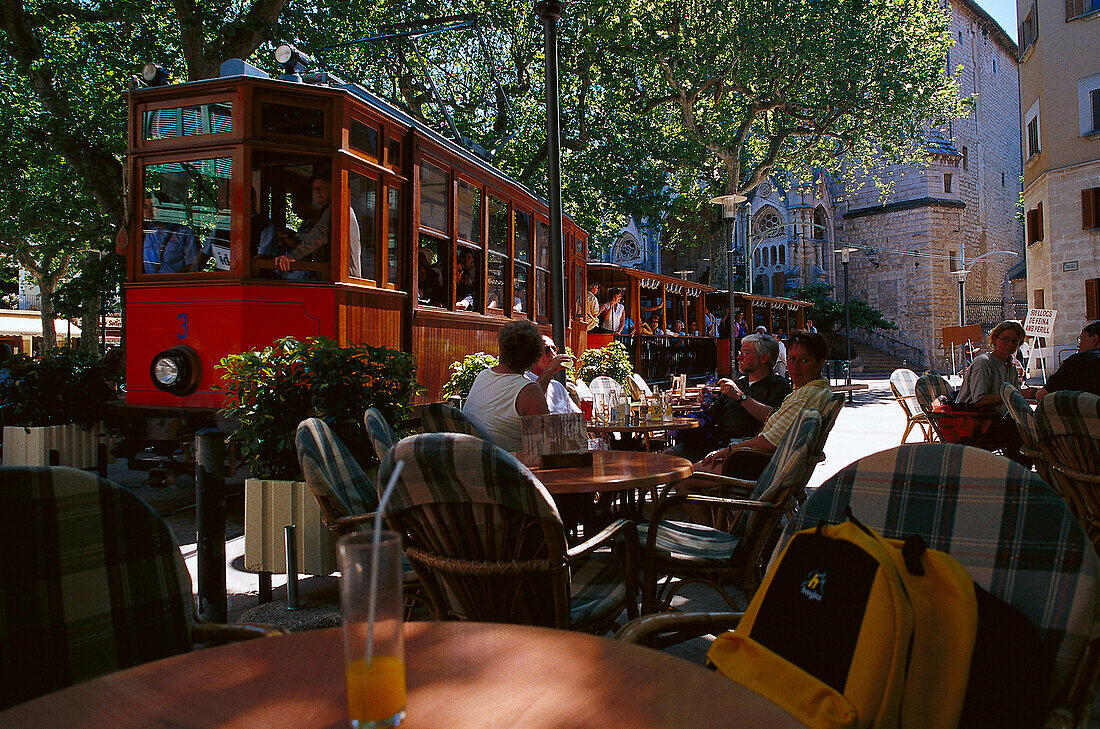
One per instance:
(586, 409)
(371, 572)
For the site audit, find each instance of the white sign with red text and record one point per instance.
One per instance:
(1040, 322)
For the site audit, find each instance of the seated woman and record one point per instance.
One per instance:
(502, 395)
(981, 388)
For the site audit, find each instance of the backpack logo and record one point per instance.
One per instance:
(813, 587)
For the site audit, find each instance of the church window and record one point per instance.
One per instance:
(947, 182)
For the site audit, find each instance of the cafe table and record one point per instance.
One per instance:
(645, 428)
(460, 676)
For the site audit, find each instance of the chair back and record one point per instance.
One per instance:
(606, 385)
(1013, 534)
(439, 417)
(480, 529)
(830, 411)
(1067, 426)
(584, 392)
(903, 383)
(930, 386)
(333, 476)
(639, 388)
(91, 582)
(1024, 418)
(381, 435)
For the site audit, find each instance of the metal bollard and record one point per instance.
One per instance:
(291, 567)
(210, 508)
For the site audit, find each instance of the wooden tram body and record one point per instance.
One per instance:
(449, 248)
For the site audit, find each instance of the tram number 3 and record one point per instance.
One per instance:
(183, 326)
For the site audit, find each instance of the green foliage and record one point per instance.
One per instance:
(271, 390)
(828, 313)
(465, 371)
(61, 386)
(610, 361)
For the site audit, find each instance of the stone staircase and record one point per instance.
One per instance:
(876, 362)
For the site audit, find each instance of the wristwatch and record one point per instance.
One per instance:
(744, 397)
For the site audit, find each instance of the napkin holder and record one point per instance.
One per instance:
(554, 441)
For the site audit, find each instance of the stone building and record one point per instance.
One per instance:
(934, 220)
(1060, 105)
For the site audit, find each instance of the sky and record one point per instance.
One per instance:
(1004, 12)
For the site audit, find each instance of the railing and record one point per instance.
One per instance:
(989, 312)
(913, 356)
(658, 358)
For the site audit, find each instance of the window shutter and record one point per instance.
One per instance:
(1039, 217)
(1092, 299)
(1088, 210)
(1074, 8)
(1095, 95)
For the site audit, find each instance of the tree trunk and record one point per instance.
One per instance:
(90, 329)
(45, 302)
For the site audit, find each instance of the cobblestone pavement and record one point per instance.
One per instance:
(872, 422)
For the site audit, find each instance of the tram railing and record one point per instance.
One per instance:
(658, 358)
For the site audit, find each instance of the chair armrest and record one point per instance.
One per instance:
(347, 524)
(646, 629)
(736, 504)
(627, 528)
(740, 484)
(224, 633)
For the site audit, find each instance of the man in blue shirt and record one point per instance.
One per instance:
(168, 247)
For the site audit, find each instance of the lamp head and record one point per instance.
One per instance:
(154, 75)
(293, 61)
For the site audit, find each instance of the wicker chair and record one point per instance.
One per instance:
(91, 582)
(603, 384)
(381, 435)
(346, 496)
(696, 553)
(903, 384)
(639, 388)
(489, 545)
(1067, 426)
(1012, 533)
(1024, 418)
(438, 417)
(931, 386)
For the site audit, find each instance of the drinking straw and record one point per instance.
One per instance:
(372, 597)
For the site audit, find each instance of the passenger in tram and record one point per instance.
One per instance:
(465, 281)
(653, 326)
(592, 309)
(502, 395)
(316, 233)
(167, 247)
(710, 324)
(557, 397)
(429, 282)
(614, 317)
(677, 329)
(693, 329)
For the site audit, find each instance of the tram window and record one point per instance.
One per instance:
(469, 212)
(185, 207)
(187, 121)
(542, 265)
(542, 280)
(363, 138)
(364, 196)
(394, 228)
(433, 198)
(429, 271)
(394, 154)
(295, 121)
(498, 251)
(468, 279)
(523, 236)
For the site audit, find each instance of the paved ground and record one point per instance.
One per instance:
(872, 422)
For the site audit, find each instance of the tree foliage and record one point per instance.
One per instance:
(828, 313)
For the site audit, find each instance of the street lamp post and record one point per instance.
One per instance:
(960, 276)
(730, 204)
(845, 259)
(550, 11)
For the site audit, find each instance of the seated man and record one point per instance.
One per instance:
(543, 371)
(315, 234)
(167, 247)
(1080, 371)
(742, 405)
(653, 326)
(805, 358)
(502, 395)
(465, 281)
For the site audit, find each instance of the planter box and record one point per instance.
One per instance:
(269, 506)
(32, 446)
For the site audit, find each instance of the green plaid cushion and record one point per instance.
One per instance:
(379, 431)
(1068, 412)
(1012, 533)
(829, 414)
(597, 590)
(91, 581)
(905, 381)
(439, 417)
(790, 466)
(1022, 413)
(605, 385)
(331, 471)
(696, 542)
(930, 386)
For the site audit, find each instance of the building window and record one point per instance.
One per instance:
(994, 65)
(1088, 104)
(1029, 29)
(1090, 208)
(1077, 8)
(1095, 96)
(1040, 299)
(1002, 179)
(1032, 131)
(1092, 299)
(947, 182)
(966, 159)
(1035, 224)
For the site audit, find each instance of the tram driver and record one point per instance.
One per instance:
(316, 231)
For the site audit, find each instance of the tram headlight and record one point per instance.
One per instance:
(154, 74)
(176, 370)
(293, 61)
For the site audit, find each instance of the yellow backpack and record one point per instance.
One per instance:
(853, 630)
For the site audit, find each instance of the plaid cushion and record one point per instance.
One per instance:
(605, 385)
(381, 435)
(1067, 426)
(790, 466)
(905, 381)
(930, 386)
(439, 417)
(1013, 534)
(451, 467)
(91, 581)
(597, 590)
(829, 413)
(695, 542)
(1022, 413)
(1068, 412)
(330, 470)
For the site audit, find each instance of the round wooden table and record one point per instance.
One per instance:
(645, 428)
(616, 471)
(460, 676)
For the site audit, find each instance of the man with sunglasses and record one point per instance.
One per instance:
(543, 371)
(1080, 371)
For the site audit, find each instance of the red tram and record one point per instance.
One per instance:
(427, 248)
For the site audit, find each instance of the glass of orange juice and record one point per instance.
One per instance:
(374, 645)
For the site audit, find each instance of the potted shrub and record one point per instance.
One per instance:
(268, 392)
(55, 401)
(610, 361)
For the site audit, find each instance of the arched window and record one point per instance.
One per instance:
(783, 254)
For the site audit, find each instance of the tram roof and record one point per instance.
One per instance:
(775, 301)
(612, 271)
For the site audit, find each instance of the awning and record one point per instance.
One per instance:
(29, 324)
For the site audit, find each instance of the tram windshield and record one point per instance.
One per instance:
(185, 208)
